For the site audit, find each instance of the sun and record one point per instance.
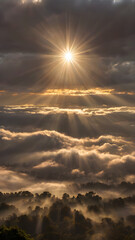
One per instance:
(68, 56)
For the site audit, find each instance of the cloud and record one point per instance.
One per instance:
(79, 136)
(27, 36)
(52, 156)
(77, 122)
(93, 15)
(12, 181)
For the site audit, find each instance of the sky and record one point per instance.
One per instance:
(64, 124)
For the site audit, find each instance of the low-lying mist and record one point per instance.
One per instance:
(84, 216)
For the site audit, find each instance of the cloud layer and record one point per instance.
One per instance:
(30, 153)
(84, 129)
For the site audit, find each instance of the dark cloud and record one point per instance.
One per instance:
(110, 21)
(21, 68)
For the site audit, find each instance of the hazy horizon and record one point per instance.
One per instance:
(67, 115)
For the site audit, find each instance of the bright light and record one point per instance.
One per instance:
(68, 56)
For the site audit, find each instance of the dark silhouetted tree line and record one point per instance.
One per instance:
(46, 217)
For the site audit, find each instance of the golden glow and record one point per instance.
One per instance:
(67, 59)
(68, 56)
(34, 1)
(77, 92)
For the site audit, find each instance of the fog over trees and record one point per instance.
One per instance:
(84, 216)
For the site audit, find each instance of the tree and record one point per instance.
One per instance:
(13, 233)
